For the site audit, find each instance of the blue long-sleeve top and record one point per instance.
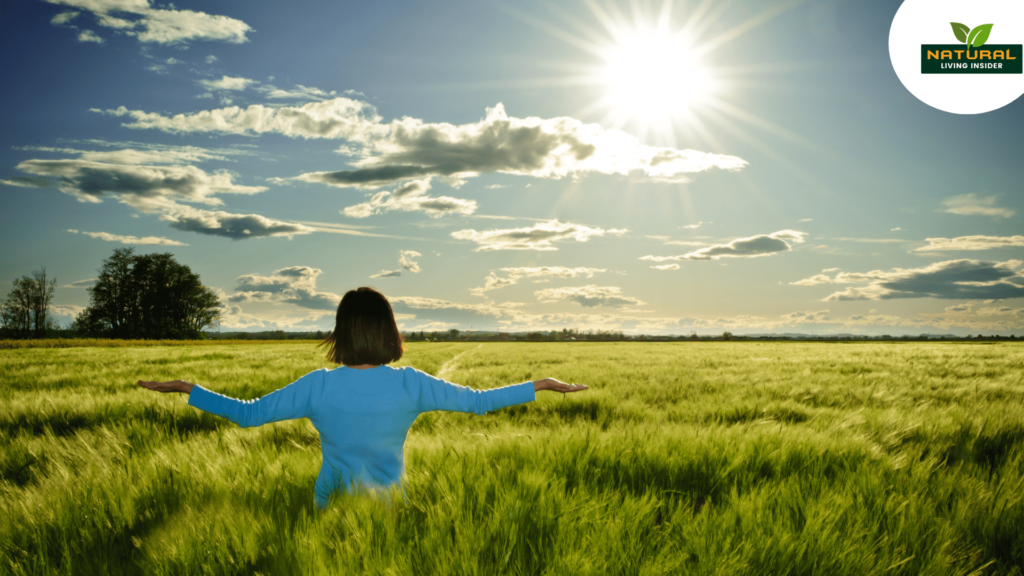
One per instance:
(363, 416)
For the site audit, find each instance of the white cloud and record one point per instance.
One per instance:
(88, 283)
(387, 274)
(89, 36)
(971, 243)
(146, 241)
(666, 267)
(974, 205)
(431, 327)
(897, 229)
(137, 18)
(445, 311)
(494, 282)
(754, 246)
(233, 317)
(211, 59)
(411, 197)
(299, 92)
(537, 237)
(814, 280)
(405, 260)
(588, 296)
(338, 118)
(227, 83)
(66, 310)
(806, 220)
(63, 17)
(953, 279)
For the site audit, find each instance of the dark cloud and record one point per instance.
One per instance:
(138, 185)
(952, 279)
(551, 148)
(293, 285)
(234, 226)
(411, 197)
(755, 246)
(371, 177)
(157, 189)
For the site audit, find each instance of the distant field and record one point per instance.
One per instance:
(683, 458)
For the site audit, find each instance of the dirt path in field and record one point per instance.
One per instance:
(450, 365)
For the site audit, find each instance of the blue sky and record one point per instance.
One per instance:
(639, 166)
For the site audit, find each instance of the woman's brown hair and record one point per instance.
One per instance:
(365, 331)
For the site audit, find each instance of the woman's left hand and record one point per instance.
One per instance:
(557, 386)
(172, 386)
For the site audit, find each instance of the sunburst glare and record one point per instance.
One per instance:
(655, 78)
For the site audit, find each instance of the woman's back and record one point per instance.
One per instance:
(363, 416)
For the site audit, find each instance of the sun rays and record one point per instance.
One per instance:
(652, 66)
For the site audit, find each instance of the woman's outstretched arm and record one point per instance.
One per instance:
(438, 394)
(292, 401)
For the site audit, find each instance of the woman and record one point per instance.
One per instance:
(363, 410)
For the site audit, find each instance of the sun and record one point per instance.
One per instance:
(651, 70)
(654, 77)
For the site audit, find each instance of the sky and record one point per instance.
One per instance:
(645, 167)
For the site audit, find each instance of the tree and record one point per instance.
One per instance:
(25, 310)
(41, 296)
(17, 308)
(148, 296)
(726, 336)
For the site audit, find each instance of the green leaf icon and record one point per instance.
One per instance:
(978, 36)
(960, 30)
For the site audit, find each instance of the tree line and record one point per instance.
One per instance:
(137, 296)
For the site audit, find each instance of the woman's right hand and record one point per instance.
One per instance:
(556, 386)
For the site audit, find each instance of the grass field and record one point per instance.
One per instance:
(683, 458)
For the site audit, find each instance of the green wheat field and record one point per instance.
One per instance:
(682, 458)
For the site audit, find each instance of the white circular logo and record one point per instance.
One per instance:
(960, 57)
